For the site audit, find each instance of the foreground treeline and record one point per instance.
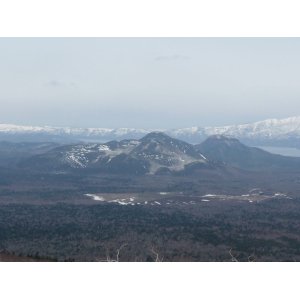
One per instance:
(265, 231)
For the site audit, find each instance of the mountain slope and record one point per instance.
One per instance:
(230, 151)
(277, 132)
(156, 152)
(162, 151)
(12, 153)
(17, 133)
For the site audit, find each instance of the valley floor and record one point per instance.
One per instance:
(89, 218)
(262, 230)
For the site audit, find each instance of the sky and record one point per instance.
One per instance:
(148, 82)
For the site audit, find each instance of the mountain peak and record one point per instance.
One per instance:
(155, 135)
(221, 138)
(232, 152)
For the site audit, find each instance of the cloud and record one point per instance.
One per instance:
(55, 83)
(60, 84)
(171, 57)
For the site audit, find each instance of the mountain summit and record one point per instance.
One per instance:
(231, 151)
(164, 152)
(154, 153)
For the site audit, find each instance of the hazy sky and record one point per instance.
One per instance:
(148, 82)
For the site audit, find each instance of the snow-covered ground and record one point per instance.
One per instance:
(95, 197)
(159, 199)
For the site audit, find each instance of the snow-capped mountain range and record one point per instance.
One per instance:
(279, 132)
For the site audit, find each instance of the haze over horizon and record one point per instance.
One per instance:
(146, 128)
(148, 82)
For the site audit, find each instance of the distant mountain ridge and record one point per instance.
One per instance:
(158, 154)
(271, 132)
(231, 151)
(154, 153)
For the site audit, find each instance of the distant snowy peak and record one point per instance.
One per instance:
(66, 134)
(10, 128)
(271, 128)
(268, 130)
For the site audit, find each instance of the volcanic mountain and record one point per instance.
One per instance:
(220, 148)
(158, 153)
(154, 153)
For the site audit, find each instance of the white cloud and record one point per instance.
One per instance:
(171, 57)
